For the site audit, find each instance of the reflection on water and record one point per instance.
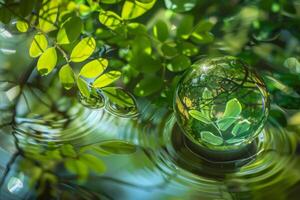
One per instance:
(144, 157)
(54, 146)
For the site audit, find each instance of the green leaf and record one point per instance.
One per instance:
(233, 108)
(203, 26)
(185, 27)
(210, 138)
(169, 50)
(118, 147)
(93, 163)
(206, 102)
(292, 64)
(200, 116)
(22, 26)
(226, 122)
(110, 1)
(77, 167)
(68, 151)
(148, 85)
(120, 102)
(179, 63)
(83, 50)
(201, 32)
(26, 7)
(180, 5)
(94, 68)
(133, 9)
(83, 87)
(5, 15)
(143, 62)
(188, 49)
(232, 111)
(119, 96)
(141, 44)
(106, 79)
(110, 19)
(161, 31)
(69, 31)
(235, 140)
(241, 127)
(38, 45)
(202, 38)
(66, 76)
(47, 61)
(48, 15)
(145, 1)
(207, 94)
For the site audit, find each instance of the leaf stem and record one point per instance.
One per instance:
(216, 127)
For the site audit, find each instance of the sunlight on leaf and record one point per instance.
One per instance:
(94, 68)
(83, 50)
(200, 116)
(110, 1)
(110, 19)
(201, 33)
(134, 9)
(210, 138)
(47, 61)
(83, 87)
(185, 27)
(179, 63)
(148, 86)
(180, 5)
(106, 79)
(38, 45)
(69, 31)
(22, 26)
(48, 15)
(161, 31)
(66, 76)
(188, 49)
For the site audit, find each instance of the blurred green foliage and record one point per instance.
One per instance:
(151, 42)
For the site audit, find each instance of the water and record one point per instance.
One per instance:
(143, 156)
(163, 164)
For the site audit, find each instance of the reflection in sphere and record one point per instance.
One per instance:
(221, 103)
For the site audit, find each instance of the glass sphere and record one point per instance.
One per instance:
(221, 104)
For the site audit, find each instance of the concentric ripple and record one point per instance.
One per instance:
(41, 120)
(267, 167)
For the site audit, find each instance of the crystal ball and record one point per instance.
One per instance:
(221, 103)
